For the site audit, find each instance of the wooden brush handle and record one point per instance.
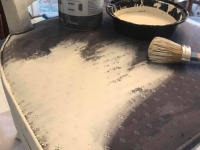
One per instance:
(195, 56)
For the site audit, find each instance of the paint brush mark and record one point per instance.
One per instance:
(93, 52)
(118, 79)
(139, 89)
(117, 58)
(113, 69)
(79, 91)
(27, 43)
(93, 58)
(45, 38)
(92, 49)
(69, 44)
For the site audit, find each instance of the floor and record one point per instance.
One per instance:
(3, 102)
(8, 133)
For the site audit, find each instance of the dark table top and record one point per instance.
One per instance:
(167, 118)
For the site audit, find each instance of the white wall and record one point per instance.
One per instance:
(34, 8)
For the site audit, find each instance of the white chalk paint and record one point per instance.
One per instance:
(144, 15)
(77, 104)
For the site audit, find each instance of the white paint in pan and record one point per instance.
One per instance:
(145, 16)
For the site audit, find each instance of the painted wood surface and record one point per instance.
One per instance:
(97, 90)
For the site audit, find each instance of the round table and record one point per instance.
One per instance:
(95, 90)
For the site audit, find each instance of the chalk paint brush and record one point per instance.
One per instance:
(162, 50)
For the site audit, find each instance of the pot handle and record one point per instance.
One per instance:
(111, 8)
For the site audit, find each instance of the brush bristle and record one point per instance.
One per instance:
(162, 50)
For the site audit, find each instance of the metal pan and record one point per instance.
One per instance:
(146, 31)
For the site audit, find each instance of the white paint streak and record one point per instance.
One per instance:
(79, 104)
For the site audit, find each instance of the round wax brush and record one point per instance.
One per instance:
(162, 50)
